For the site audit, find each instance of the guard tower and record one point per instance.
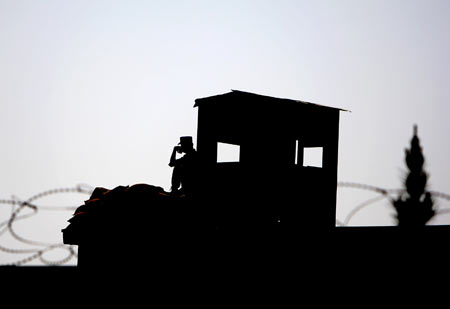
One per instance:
(269, 183)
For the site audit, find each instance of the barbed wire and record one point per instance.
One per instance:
(40, 248)
(383, 194)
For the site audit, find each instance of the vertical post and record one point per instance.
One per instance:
(206, 142)
(330, 166)
(299, 152)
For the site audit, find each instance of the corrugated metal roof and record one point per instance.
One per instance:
(242, 94)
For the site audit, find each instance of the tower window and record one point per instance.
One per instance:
(227, 153)
(312, 156)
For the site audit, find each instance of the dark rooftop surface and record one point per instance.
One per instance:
(253, 97)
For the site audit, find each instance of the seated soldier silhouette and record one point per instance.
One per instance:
(184, 168)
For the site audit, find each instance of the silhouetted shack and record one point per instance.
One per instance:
(270, 180)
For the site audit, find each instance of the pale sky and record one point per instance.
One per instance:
(98, 92)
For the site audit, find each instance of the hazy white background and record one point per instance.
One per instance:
(99, 92)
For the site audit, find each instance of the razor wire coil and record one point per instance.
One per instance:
(41, 248)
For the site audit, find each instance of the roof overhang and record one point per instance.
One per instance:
(242, 96)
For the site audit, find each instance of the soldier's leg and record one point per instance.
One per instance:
(176, 178)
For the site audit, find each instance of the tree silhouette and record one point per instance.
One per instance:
(415, 206)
